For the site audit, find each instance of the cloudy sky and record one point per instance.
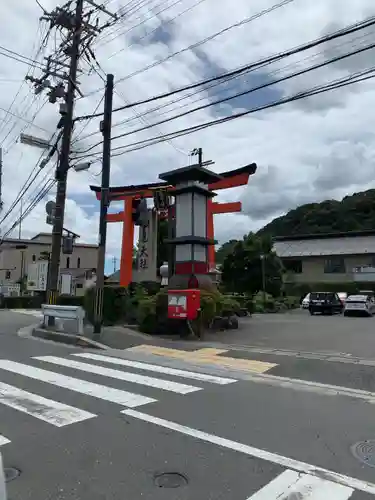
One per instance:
(320, 147)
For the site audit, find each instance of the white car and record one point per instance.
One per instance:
(306, 301)
(364, 304)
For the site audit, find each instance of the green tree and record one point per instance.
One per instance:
(242, 268)
(224, 250)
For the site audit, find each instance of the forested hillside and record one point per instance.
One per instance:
(352, 213)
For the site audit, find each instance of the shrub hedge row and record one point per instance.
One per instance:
(147, 306)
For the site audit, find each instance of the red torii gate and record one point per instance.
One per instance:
(230, 179)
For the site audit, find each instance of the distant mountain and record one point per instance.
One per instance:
(352, 213)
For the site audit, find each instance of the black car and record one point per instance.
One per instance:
(325, 303)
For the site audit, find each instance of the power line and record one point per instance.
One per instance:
(220, 83)
(30, 180)
(336, 84)
(201, 42)
(142, 22)
(126, 14)
(239, 94)
(23, 119)
(19, 57)
(42, 193)
(5, 122)
(244, 21)
(252, 66)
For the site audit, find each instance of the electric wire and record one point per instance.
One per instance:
(333, 85)
(239, 94)
(252, 66)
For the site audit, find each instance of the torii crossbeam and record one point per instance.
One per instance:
(229, 179)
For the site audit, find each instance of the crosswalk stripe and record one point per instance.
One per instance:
(104, 392)
(3, 440)
(291, 484)
(289, 463)
(157, 368)
(50, 411)
(166, 385)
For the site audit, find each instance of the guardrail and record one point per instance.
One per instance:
(74, 313)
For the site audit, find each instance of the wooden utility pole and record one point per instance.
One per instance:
(105, 128)
(63, 163)
(79, 31)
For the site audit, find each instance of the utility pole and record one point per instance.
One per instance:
(78, 28)
(105, 128)
(200, 156)
(63, 162)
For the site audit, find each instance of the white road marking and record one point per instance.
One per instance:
(310, 386)
(157, 368)
(3, 440)
(50, 411)
(37, 313)
(123, 398)
(166, 385)
(268, 456)
(291, 484)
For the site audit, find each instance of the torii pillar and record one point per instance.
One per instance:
(229, 179)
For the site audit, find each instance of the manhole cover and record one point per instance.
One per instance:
(365, 452)
(11, 473)
(170, 480)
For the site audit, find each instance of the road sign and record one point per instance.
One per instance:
(37, 276)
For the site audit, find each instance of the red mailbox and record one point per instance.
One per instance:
(183, 304)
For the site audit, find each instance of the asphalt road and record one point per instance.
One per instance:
(298, 331)
(248, 435)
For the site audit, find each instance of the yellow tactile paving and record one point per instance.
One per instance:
(208, 355)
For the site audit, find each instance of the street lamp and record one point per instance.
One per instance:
(37, 142)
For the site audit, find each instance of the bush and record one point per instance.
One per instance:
(270, 304)
(147, 318)
(70, 300)
(29, 302)
(153, 312)
(114, 305)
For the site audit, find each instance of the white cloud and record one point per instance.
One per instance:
(322, 147)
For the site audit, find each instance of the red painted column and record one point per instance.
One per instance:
(210, 235)
(126, 264)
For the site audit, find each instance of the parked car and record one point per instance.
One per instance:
(360, 304)
(325, 303)
(305, 302)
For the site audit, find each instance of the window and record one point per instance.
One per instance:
(292, 265)
(79, 262)
(67, 262)
(79, 285)
(334, 265)
(7, 275)
(34, 258)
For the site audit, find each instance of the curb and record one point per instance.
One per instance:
(66, 338)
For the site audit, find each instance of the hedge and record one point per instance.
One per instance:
(36, 301)
(153, 312)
